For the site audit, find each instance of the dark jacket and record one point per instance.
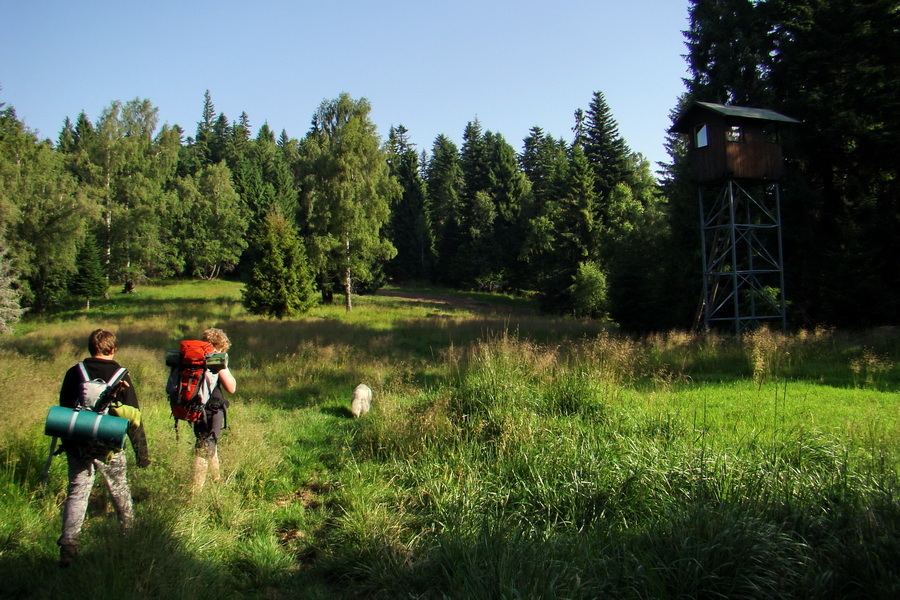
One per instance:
(99, 368)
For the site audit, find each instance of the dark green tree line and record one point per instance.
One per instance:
(479, 217)
(582, 224)
(44, 214)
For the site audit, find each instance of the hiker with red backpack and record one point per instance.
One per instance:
(85, 459)
(208, 428)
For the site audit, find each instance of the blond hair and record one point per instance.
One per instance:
(217, 338)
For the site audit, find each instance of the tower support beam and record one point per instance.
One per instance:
(743, 263)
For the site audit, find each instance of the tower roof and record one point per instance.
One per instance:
(739, 112)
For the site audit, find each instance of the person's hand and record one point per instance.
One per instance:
(143, 463)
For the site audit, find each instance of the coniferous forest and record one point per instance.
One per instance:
(588, 226)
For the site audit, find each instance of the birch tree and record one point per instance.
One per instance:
(346, 194)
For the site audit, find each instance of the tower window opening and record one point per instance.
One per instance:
(734, 134)
(701, 136)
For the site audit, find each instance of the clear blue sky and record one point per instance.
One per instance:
(431, 66)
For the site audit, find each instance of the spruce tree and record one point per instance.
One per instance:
(544, 162)
(89, 280)
(409, 228)
(444, 183)
(239, 141)
(511, 194)
(580, 222)
(262, 173)
(279, 281)
(604, 148)
(220, 139)
(195, 154)
(473, 159)
(730, 51)
(84, 131)
(469, 262)
(205, 126)
(66, 141)
(837, 68)
(564, 235)
(265, 133)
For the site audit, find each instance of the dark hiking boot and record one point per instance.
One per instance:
(67, 554)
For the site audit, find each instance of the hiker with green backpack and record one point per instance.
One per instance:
(86, 458)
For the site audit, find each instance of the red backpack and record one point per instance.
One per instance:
(193, 376)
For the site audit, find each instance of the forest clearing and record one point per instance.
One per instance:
(506, 455)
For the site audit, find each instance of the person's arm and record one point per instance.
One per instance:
(137, 436)
(227, 381)
(139, 445)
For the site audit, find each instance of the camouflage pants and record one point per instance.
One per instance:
(81, 480)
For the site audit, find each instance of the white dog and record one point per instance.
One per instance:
(361, 400)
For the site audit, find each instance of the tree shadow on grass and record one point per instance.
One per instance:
(149, 561)
(421, 339)
(315, 361)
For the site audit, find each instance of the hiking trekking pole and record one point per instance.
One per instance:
(47, 465)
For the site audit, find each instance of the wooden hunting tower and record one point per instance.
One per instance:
(735, 157)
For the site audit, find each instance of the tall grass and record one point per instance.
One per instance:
(507, 455)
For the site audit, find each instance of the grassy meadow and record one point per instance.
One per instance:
(507, 455)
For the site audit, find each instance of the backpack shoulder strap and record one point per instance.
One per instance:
(84, 372)
(117, 376)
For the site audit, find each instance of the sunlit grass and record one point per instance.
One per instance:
(507, 455)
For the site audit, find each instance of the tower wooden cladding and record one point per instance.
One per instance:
(735, 159)
(733, 142)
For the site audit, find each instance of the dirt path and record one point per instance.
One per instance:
(460, 302)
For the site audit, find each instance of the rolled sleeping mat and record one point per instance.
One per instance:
(215, 361)
(86, 426)
(173, 358)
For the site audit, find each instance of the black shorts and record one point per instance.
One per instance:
(209, 430)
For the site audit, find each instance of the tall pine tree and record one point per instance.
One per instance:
(604, 148)
(10, 306)
(409, 227)
(444, 183)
